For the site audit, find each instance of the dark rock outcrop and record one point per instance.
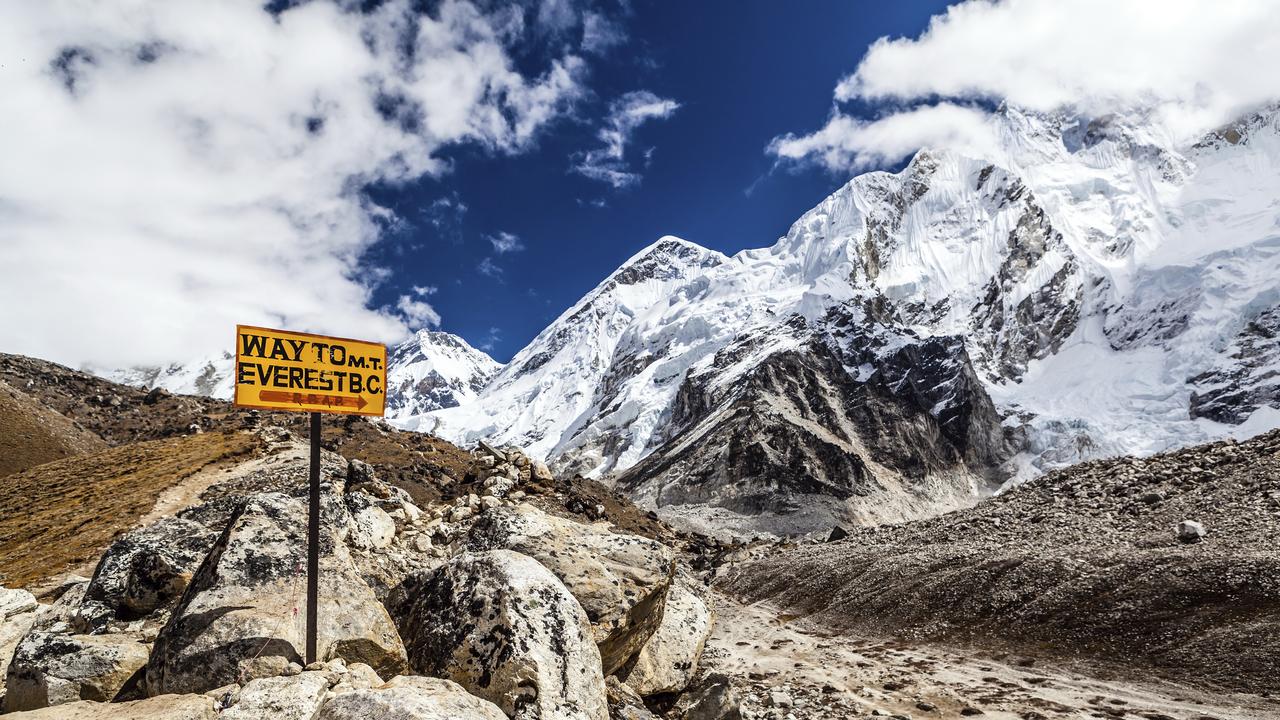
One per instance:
(506, 629)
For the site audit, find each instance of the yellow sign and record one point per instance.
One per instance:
(282, 370)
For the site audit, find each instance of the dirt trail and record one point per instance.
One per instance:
(793, 670)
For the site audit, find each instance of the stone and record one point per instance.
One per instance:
(225, 696)
(280, 698)
(620, 580)
(837, 533)
(242, 615)
(411, 698)
(17, 616)
(1190, 531)
(371, 527)
(15, 601)
(506, 629)
(148, 568)
(161, 707)
(538, 470)
(357, 677)
(624, 703)
(714, 699)
(55, 668)
(669, 660)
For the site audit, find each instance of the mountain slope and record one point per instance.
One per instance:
(1094, 276)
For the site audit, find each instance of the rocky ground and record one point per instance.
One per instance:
(155, 570)
(786, 668)
(1169, 565)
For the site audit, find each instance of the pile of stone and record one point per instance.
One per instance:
(486, 607)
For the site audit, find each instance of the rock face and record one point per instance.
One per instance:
(506, 629)
(162, 707)
(150, 567)
(1245, 377)
(797, 444)
(620, 580)
(242, 615)
(411, 698)
(52, 669)
(669, 660)
(296, 697)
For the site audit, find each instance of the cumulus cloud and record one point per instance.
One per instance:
(505, 242)
(850, 142)
(1193, 64)
(608, 163)
(173, 167)
(417, 313)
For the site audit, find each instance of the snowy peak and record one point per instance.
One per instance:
(434, 370)
(561, 375)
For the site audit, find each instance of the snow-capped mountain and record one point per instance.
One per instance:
(1092, 288)
(434, 370)
(429, 371)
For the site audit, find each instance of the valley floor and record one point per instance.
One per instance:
(790, 669)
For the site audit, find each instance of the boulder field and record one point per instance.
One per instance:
(483, 607)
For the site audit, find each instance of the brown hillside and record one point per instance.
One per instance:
(61, 514)
(31, 434)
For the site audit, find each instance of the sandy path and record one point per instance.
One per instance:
(840, 677)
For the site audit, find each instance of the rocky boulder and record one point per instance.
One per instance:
(371, 527)
(411, 698)
(17, 615)
(506, 629)
(149, 567)
(163, 707)
(1190, 531)
(55, 668)
(287, 697)
(243, 615)
(668, 662)
(620, 580)
(714, 699)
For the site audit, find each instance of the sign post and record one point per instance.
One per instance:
(301, 372)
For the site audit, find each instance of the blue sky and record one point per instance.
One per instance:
(742, 73)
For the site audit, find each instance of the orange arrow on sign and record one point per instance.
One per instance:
(280, 396)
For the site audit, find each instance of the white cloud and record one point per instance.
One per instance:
(600, 34)
(424, 290)
(1195, 64)
(490, 269)
(608, 164)
(847, 142)
(505, 242)
(173, 167)
(417, 313)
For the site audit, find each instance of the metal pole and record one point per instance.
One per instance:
(313, 541)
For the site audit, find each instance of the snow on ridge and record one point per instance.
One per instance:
(1044, 258)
